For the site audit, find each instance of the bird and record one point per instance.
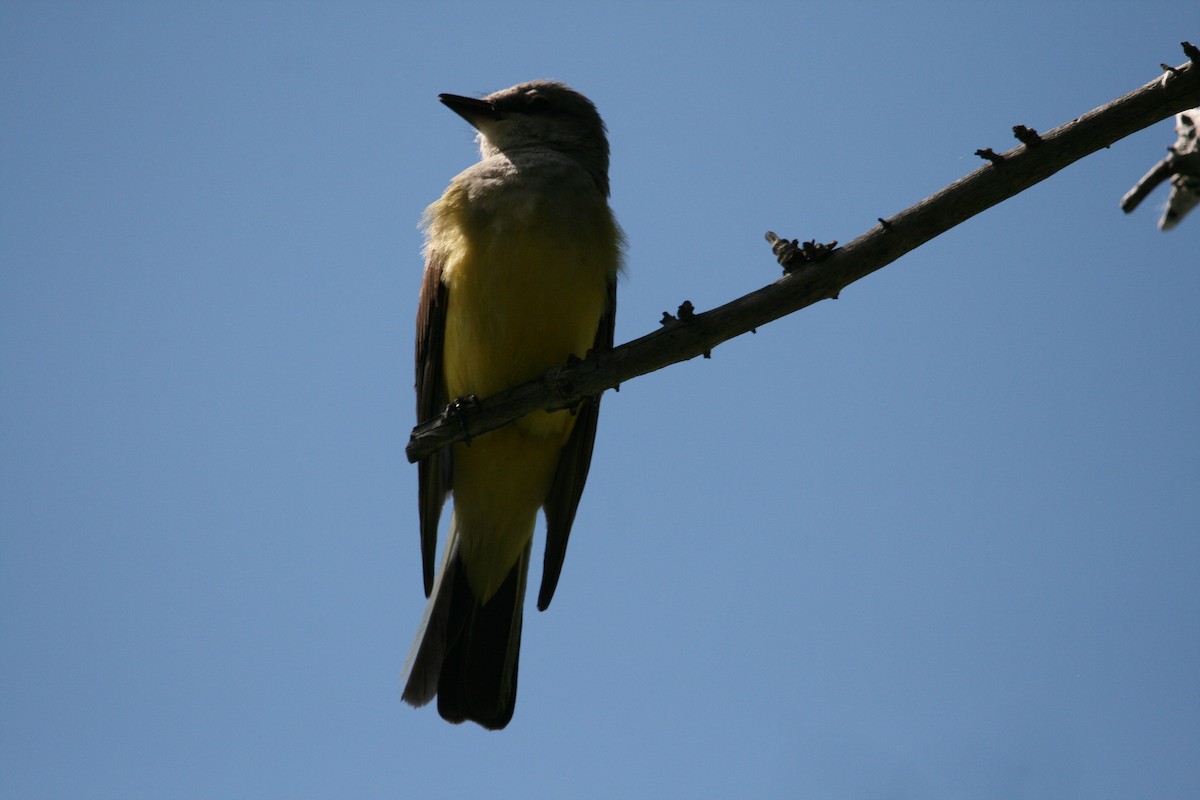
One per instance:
(522, 254)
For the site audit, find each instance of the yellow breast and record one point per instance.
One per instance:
(528, 283)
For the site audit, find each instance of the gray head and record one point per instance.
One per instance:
(538, 115)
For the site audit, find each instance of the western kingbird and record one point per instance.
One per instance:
(521, 261)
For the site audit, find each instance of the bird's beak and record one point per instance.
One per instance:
(471, 109)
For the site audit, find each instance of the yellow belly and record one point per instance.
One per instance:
(522, 298)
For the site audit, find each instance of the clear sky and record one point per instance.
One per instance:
(937, 539)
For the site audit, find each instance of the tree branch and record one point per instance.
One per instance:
(820, 275)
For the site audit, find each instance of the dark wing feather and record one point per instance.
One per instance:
(572, 470)
(433, 472)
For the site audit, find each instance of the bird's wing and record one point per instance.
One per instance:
(572, 470)
(434, 471)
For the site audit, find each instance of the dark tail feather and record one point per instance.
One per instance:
(466, 653)
(479, 674)
(424, 662)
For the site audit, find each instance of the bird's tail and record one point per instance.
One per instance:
(466, 652)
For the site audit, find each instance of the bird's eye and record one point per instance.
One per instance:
(537, 104)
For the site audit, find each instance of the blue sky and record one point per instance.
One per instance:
(937, 539)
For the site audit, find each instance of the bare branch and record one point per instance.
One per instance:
(691, 334)
(1181, 167)
(1158, 173)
